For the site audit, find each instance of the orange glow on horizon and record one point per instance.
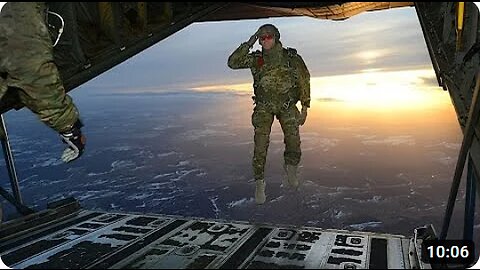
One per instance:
(372, 89)
(381, 89)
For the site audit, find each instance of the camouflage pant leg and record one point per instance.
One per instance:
(289, 123)
(3, 86)
(26, 56)
(262, 120)
(43, 93)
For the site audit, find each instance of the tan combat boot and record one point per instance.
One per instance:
(292, 178)
(260, 191)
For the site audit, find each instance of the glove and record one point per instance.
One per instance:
(303, 116)
(253, 39)
(75, 141)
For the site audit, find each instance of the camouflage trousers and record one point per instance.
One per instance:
(27, 65)
(262, 120)
(41, 90)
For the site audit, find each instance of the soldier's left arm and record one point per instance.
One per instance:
(303, 81)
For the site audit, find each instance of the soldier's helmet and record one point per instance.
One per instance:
(270, 29)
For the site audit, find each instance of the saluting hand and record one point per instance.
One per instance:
(253, 39)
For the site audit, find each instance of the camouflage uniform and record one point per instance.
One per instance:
(281, 79)
(26, 63)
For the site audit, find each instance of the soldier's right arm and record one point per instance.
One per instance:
(241, 58)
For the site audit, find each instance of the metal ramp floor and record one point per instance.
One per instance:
(63, 238)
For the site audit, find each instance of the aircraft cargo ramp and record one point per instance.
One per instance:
(66, 236)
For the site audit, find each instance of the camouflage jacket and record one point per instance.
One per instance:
(281, 78)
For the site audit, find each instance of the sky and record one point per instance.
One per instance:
(196, 56)
(375, 59)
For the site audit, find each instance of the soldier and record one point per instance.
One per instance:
(27, 66)
(280, 80)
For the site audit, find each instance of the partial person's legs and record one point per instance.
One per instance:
(28, 59)
(262, 121)
(43, 94)
(292, 154)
